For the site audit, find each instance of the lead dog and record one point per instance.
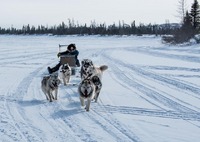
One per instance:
(86, 90)
(65, 73)
(49, 85)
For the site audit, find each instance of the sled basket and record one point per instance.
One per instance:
(70, 59)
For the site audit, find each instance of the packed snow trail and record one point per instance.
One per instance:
(150, 91)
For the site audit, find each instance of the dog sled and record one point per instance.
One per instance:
(68, 59)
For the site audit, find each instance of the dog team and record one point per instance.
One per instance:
(88, 89)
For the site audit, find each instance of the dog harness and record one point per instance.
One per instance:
(53, 85)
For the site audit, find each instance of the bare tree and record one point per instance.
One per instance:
(182, 8)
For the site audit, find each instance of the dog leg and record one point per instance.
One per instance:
(88, 104)
(64, 80)
(82, 101)
(96, 96)
(56, 94)
(50, 96)
(67, 80)
(98, 90)
(46, 96)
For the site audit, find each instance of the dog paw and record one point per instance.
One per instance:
(86, 109)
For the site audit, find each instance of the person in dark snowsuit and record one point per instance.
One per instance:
(71, 50)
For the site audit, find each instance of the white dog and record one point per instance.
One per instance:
(65, 73)
(49, 84)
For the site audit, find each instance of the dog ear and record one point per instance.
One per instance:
(82, 62)
(92, 63)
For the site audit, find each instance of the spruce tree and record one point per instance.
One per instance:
(187, 27)
(195, 15)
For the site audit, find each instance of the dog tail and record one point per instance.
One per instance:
(103, 67)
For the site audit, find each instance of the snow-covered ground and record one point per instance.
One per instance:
(151, 91)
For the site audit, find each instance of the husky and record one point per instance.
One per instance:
(86, 64)
(88, 69)
(49, 84)
(98, 85)
(65, 73)
(86, 90)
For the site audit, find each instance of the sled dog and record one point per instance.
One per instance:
(88, 69)
(86, 64)
(49, 84)
(86, 90)
(65, 73)
(98, 85)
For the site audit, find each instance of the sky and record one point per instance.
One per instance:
(16, 13)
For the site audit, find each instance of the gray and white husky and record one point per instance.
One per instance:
(88, 69)
(49, 84)
(65, 73)
(86, 90)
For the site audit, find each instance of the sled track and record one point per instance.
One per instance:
(152, 94)
(151, 112)
(18, 121)
(25, 129)
(148, 90)
(160, 54)
(19, 60)
(71, 122)
(106, 121)
(166, 80)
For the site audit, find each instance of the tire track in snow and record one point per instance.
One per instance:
(119, 131)
(27, 130)
(16, 115)
(25, 58)
(188, 89)
(72, 122)
(150, 112)
(11, 131)
(116, 124)
(147, 74)
(166, 55)
(143, 89)
(20, 123)
(55, 127)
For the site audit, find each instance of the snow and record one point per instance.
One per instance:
(151, 91)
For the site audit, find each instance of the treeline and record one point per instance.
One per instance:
(71, 28)
(188, 28)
